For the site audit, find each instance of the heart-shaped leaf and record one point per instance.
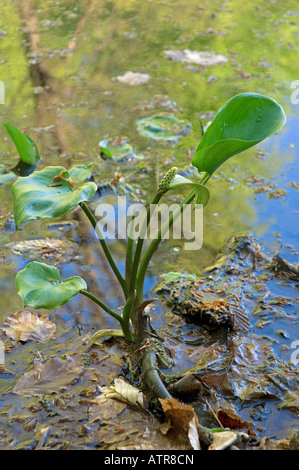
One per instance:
(202, 193)
(244, 121)
(44, 194)
(26, 147)
(40, 286)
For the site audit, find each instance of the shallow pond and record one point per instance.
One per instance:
(64, 67)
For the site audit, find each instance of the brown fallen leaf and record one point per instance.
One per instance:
(48, 377)
(104, 409)
(27, 326)
(181, 421)
(229, 419)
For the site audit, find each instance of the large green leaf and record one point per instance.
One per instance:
(39, 195)
(26, 147)
(40, 286)
(244, 121)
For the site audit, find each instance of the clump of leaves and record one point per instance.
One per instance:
(244, 121)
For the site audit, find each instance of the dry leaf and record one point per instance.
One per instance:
(229, 419)
(123, 391)
(223, 439)
(48, 377)
(182, 421)
(105, 408)
(27, 326)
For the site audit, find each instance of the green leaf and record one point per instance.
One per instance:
(38, 195)
(6, 175)
(116, 149)
(26, 148)
(244, 121)
(180, 182)
(80, 173)
(163, 127)
(40, 286)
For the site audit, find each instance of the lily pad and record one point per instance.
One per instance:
(244, 121)
(43, 194)
(80, 173)
(40, 286)
(163, 127)
(117, 149)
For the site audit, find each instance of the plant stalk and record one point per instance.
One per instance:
(154, 244)
(140, 241)
(125, 325)
(106, 249)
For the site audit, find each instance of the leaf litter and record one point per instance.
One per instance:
(229, 365)
(27, 326)
(49, 250)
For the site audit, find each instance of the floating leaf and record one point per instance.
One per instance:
(80, 173)
(26, 148)
(40, 286)
(116, 149)
(27, 326)
(244, 121)
(165, 127)
(48, 377)
(38, 195)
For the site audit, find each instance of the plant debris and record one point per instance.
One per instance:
(26, 326)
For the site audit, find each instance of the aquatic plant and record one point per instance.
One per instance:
(244, 121)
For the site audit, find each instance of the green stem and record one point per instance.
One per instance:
(105, 249)
(124, 325)
(127, 312)
(140, 241)
(154, 244)
(129, 255)
(102, 305)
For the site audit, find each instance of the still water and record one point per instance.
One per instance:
(61, 64)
